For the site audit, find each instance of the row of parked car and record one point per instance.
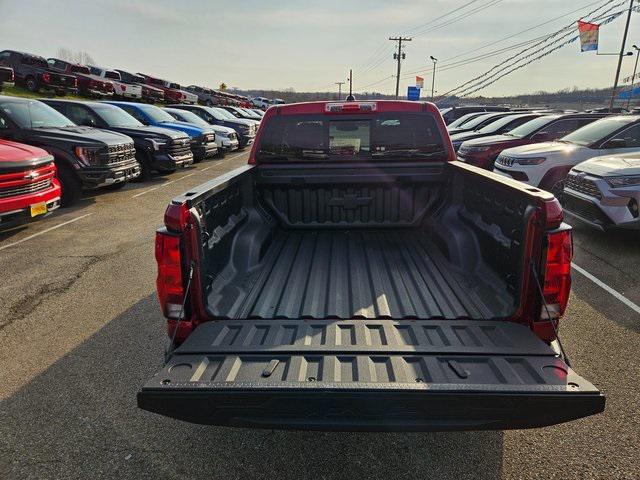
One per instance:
(53, 149)
(61, 77)
(589, 160)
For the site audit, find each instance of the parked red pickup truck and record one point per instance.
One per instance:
(354, 276)
(28, 187)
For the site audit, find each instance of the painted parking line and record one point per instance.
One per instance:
(47, 230)
(161, 186)
(607, 288)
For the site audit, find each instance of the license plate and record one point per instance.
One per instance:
(38, 209)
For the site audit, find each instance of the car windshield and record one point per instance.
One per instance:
(597, 130)
(221, 114)
(35, 61)
(388, 136)
(190, 117)
(116, 117)
(464, 119)
(80, 69)
(34, 114)
(532, 126)
(157, 114)
(175, 86)
(471, 124)
(498, 124)
(112, 74)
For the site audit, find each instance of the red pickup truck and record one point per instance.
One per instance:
(355, 276)
(28, 186)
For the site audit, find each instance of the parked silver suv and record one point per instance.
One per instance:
(604, 192)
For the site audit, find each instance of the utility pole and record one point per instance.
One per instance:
(339, 89)
(633, 77)
(399, 57)
(433, 78)
(350, 97)
(622, 47)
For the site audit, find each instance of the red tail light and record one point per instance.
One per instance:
(557, 275)
(46, 77)
(13, 76)
(124, 88)
(169, 281)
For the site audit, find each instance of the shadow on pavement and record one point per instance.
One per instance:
(79, 419)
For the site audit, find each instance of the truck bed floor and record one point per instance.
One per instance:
(356, 274)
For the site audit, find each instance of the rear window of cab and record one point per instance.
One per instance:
(322, 138)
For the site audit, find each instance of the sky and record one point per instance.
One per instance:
(307, 46)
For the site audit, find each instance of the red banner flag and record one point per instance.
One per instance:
(588, 36)
(419, 82)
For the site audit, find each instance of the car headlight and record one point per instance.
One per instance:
(89, 155)
(530, 161)
(623, 181)
(478, 149)
(157, 144)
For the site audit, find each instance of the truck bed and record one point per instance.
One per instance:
(322, 274)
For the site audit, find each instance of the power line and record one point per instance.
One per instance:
(442, 16)
(532, 57)
(491, 3)
(515, 58)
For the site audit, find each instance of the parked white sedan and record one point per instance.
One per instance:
(546, 165)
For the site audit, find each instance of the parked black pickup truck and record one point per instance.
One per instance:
(160, 149)
(354, 276)
(149, 94)
(85, 157)
(33, 72)
(7, 78)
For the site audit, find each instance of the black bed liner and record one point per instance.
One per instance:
(368, 375)
(357, 274)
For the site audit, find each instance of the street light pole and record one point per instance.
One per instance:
(624, 41)
(433, 77)
(633, 77)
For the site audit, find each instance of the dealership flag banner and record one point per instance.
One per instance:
(588, 36)
(419, 82)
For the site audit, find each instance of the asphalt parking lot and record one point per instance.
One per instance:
(81, 331)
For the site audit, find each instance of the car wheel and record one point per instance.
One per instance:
(220, 153)
(70, 184)
(145, 167)
(32, 85)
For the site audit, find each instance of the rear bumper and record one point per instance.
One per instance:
(373, 410)
(100, 177)
(99, 93)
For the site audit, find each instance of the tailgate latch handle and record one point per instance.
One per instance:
(269, 369)
(458, 369)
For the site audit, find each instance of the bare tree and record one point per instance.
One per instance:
(75, 57)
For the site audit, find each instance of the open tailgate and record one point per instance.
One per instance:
(368, 375)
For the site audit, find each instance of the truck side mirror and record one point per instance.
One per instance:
(615, 143)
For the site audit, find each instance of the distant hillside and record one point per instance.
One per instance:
(566, 98)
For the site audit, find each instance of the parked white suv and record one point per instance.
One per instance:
(604, 192)
(261, 102)
(120, 89)
(546, 165)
